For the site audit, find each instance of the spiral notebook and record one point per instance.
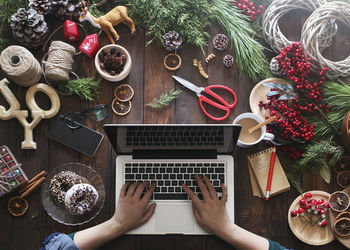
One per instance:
(259, 165)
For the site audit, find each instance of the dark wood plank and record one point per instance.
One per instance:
(157, 80)
(187, 106)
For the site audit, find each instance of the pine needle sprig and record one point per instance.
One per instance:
(85, 88)
(8, 7)
(337, 96)
(319, 157)
(165, 99)
(249, 52)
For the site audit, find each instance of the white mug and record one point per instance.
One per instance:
(264, 135)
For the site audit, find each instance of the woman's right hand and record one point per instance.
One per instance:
(210, 213)
(131, 209)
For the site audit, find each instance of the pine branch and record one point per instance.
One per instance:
(337, 95)
(85, 88)
(317, 155)
(165, 99)
(191, 19)
(248, 52)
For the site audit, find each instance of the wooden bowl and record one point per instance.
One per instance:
(312, 235)
(258, 94)
(121, 75)
(345, 131)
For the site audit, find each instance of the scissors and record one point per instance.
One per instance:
(219, 102)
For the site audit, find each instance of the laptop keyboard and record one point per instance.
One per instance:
(169, 177)
(175, 136)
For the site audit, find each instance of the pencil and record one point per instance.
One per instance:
(269, 181)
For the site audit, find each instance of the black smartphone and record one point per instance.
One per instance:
(77, 137)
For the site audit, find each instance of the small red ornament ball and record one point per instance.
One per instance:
(294, 213)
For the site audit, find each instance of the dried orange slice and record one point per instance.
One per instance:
(121, 108)
(344, 214)
(343, 178)
(342, 227)
(339, 201)
(17, 206)
(124, 92)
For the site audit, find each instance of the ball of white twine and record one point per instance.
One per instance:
(59, 62)
(20, 65)
(310, 40)
(272, 32)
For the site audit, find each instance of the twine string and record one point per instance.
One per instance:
(59, 62)
(20, 65)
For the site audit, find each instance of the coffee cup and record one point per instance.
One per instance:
(247, 121)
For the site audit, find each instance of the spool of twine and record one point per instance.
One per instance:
(20, 65)
(59, 62)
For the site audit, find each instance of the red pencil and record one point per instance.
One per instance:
(269, 181)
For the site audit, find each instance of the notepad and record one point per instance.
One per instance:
(259, 165)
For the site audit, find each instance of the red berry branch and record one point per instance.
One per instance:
(290, 125)
(249, 8)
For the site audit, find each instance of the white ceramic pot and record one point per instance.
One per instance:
(122, 74)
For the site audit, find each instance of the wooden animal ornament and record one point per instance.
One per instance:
(21, 115)
(107, 22)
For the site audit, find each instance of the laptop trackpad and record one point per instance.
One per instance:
(174, 218)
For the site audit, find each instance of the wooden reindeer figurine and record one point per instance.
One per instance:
(107, 22)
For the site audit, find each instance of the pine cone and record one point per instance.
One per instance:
(66, 9)
(43, 7)
(276, 68)
(220, 42)
(171, 40)
(29, 27)
(228, 61)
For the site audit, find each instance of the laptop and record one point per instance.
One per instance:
(169, 155)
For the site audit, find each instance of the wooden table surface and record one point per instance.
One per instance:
(149, 79)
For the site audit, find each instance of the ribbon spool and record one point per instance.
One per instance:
(20, 65)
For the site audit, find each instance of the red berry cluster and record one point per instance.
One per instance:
(249, 8)
(312, 207)
(292, 151)
(290, 125)
(297, 68)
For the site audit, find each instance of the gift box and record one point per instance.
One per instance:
(90, 45)
(71, 31)
(11, 174)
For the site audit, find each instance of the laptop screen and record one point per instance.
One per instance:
(127, 138)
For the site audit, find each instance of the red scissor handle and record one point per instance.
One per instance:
(214, 104)
(208, 90)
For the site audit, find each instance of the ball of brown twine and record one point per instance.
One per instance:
(20, 65)
(271, 29)
(59, 62)
(310, 39)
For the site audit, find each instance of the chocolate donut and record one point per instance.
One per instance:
(61, 183)
(81, 198)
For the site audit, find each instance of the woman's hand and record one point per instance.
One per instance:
(130, 212)
(210, 213)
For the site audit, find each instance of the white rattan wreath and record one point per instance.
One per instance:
(271, 29)
(310, 40)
